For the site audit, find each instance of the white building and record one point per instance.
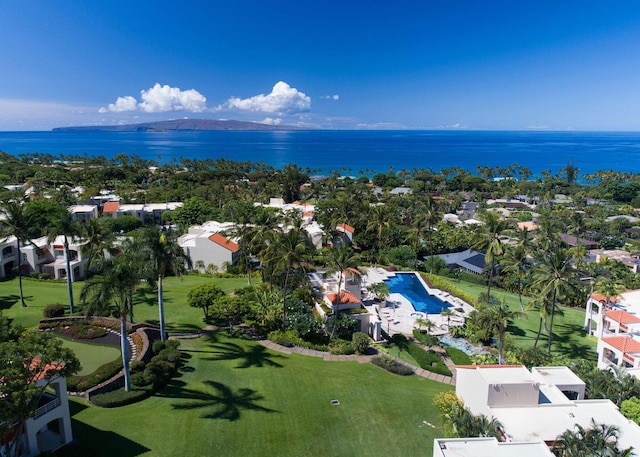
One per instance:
(488, 447)
(83, 212)
(50, 428)
(538, 405)
(8, 256)
(147, 213)
(206, 243)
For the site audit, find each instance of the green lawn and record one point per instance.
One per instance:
(179, 316)
(92, 356)
(569, 337)
(236, 398)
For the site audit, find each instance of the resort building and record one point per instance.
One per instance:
(205, 243)
(488, 447)
(50, 427)
(83, 212)
(535, 406)
(616, 323)
(147, 213)
(469, 261)
(42, 256)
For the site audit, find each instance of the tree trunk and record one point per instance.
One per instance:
(69, 274)
(489, 283)
(124, 346)
(553, 312)
(539, 333)
(161, 308)
(335, 315)
(22, 303)
(284, 300)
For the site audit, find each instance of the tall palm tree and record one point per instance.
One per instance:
(342, 260)
(488, 240)
(554, 279)
(379, 227)
(288, 252)
(64, 225)
(16, 223)
(496, 318)
(113, 288)
(162, 254)
(98, 241)
(516, 261)
(597, 440)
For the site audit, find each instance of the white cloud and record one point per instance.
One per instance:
(127, 103)
(160, 99)
(331, 97)
(282, 99)
(271, 121)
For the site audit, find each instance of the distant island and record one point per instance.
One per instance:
(177, 124)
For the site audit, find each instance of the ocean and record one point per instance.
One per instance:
(350, 152)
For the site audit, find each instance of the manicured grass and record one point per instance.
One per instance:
(236, 398)
(91, 356)
(569, 338)
(179, 316)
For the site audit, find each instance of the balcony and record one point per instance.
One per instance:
(46, 406)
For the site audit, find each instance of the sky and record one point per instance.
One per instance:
(423, 64)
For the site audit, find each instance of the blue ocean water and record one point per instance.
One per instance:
(410, 286)
(352, 151)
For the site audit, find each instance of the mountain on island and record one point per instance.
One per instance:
(177, 124)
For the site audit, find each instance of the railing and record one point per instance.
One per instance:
(44, 409)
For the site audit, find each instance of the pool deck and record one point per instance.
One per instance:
(399, 316)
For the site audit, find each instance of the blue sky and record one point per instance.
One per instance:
(330, 64)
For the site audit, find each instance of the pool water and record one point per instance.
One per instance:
(409, 285)
(462, 344)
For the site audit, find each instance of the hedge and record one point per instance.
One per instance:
(391, 365)
(106, 371)
(458, 357)
(120, 397)
(428, 360)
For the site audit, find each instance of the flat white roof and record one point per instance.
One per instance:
(490, 447)
(82, 208)
(546, 422)
(506, 374)
(561, 376)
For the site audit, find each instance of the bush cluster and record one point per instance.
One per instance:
(425, 338)
(81, 331)
(428, 360)
(457, 356)
(54, 310)
(106, 371)
(391, 365)
(341, 347)
(120, 397)
(360, 341)
(160, 368)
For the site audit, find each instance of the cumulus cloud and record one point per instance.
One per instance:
(331, 97)
(282, 99)
(160, 99)
(271, 121)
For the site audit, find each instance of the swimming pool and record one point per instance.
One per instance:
(409, 285)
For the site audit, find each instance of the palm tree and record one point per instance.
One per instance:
(16, 223)
(448, 313)
(342, 260)
(65, 226)
(488, 240)
(516, 261)
(162, 254)
(98, 241)
(496, 318)
(114, 287)
(379, 226)
(598, 440)
(553, 279)
(380, 289)
(288, 252)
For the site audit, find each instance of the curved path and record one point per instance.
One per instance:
(328, 357)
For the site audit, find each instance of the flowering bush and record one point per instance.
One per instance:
(81, 331)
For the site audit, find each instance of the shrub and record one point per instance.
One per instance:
(391, 365)
(157, 346)
(81, 331)
(54, 310)
(428, 360)
(137, 366)
(426, 339)
(457, 356)
(106, 371)
(341, 347)
(286, 338)
(360, 342)
(120, 397)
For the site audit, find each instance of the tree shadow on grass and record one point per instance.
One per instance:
(96, 442)
(253, 356)
(221, 402)
(566, 343)
(516, 331)
(9, 301)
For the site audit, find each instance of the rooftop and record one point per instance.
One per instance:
(489, 447)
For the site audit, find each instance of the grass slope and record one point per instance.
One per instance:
(236, 398)
(92, 356)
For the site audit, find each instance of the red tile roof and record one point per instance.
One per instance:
(111, 207)
(623, 317)
(308, 213)
(224, 242)
(623, 344)
(346, 228)
(601, 298)
(345, 298)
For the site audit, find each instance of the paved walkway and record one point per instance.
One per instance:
(328, 357)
